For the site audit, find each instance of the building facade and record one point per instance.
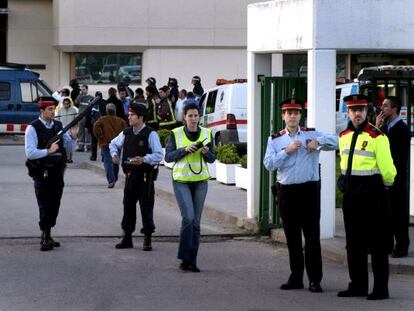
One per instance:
(101, 41)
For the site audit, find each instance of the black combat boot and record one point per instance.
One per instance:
(55, 243)
(147, 243)
(126, 242)
(46, 241)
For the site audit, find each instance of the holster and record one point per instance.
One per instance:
(34, 168)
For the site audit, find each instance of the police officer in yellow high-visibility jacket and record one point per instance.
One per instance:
(367, 170)
(190, 147)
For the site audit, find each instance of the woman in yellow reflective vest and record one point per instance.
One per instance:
(190, 147)
(367, 169)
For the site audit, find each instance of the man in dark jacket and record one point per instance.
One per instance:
(398, 133)
(113, 99)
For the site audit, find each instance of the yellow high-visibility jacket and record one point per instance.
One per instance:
(192, 167)
(372, 154)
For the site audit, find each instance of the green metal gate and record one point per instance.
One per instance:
(273, 91)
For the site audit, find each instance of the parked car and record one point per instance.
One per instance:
(20, 89)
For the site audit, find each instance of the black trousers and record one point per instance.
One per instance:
(138, 187)
(49, 190)
(400, 216)
(300, 210)
(366, 227)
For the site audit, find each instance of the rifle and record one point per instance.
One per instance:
(80, 116)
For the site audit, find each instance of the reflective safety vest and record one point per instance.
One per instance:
(372, 154)
(192, 167)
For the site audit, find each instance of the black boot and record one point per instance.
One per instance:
(126, 242)
(147, 243)
(55, 243)
(46, 241)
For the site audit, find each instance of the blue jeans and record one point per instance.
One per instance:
(190, 198)
(111, 169)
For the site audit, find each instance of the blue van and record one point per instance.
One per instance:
(19, 91)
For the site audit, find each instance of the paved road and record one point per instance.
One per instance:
(88, 274)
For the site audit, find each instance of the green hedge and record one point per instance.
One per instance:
(227, 154)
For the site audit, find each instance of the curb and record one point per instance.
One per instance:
(248, 224)
(334, 249)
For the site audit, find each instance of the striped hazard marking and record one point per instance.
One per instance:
(12, 128)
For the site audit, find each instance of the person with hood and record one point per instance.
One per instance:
(173, 95)
(65, 115)
(152, 82)
(113, 99)
(75, 89)
(198, 89)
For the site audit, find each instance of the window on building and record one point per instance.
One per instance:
(107, 68)
(296, 65)
(4, 91)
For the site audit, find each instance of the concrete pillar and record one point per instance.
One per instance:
(257, 64)
(277, 65)
(321, 115)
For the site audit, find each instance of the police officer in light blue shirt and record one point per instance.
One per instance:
(141, 152)
(46, 166)
(294, 154)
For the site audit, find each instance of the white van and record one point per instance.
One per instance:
(343, 90)
(224, 110)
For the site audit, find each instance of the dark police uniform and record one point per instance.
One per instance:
(139, 183)
(46, 170)
(298, 193)
(366, 169)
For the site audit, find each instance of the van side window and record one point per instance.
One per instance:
(202, 103)
(28, 92)
(211, 102)
(4, 91)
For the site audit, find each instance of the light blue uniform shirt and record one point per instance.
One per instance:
(300, 166)
(154, 143)
(30, 142)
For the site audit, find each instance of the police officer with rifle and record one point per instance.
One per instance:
(45, 142)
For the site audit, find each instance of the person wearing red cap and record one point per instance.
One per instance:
(46, 166)
(367, 170)
(294, 154)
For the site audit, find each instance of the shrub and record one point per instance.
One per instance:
(227, 154)
(243, 161)
(164, 136)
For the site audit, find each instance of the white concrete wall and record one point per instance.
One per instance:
(30, 36)
(364, 25)
(203, 23)
(177, 38)
(295, 25)
(280, 25)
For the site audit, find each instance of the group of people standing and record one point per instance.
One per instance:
(137, 149)
(165, 108)
(373, 182)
